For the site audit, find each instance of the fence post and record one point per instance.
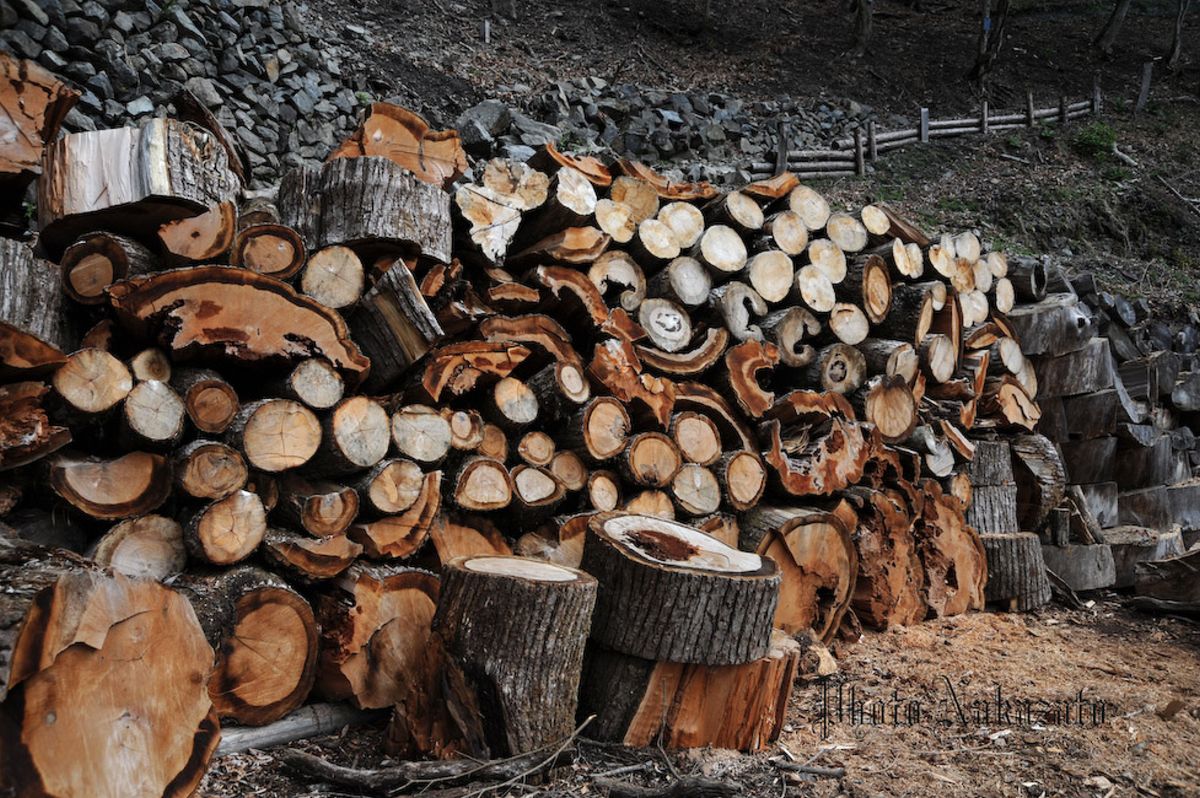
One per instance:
(872, 144)
(1097, 100)
(781, 151)
(1029, 118)
(1062, 111)
(860, 168)
(924, 125)
(983, 117)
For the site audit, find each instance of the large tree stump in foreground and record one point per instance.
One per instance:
(670, 592)
(516, 629)
(639, 703)
(103, 681)
(1016, 571)
(265, 637)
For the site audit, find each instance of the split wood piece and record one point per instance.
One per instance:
(354, 436)
(92, 381)
(815, 289)
(26, 433)
(574, 245)
(559, 541)
(615, 366)
(772, 274)
(667, 325)
(482, 484)
(1085, 370)
(314, 383)
(1040, 478)
(266, 486)
(394, 326)
(580, 293)
(684, 221)
(1002, 296)
(937, 457)
(1146, 507)
(811, 206)
(203, 238)
(902, 228)
(846, 232)
(695, 490)
(322, 509)
(699, 359)
(334, 276)
(993, 509)
(458, 535)
(827, 258)
(1144, 466)
(655, 243)
(639, 703)
(189, 108)
(651, 502)
(683, 280)
(791, 330)
(888, 403)
(742, 366)
(697, 437)
(570, 201)
(1171, 581)
(1029, 278)
(604, 490)
(271, 249)
(535, 494)
(784, 231)
(275, 434)
(772, 188)
(738, 304)
(868, 285)
(97, 260)
(401, 535)
(742, 477)
(391, 487)
(150, 364)
(152, 417)
(550, 336)
(307, 559)
(132, 484)
(735, 433)
(954, 558)
(904, 262)
(569, 469)
(721, 250)
(889, 588)
(949, 322)
(651, 459)
(817, 563)
(848, 323)
(494, 206)
(636, 194)
(838, 368)
(211, 402)
(1054, 326)
(911, 316)
(1006, 400)
(511, 404)
(599, 431)
(670, 592)
(149, 546)
(36, 103)
(890, 358)
(938, 357)
(375, 635)
(459, 367)
(1094, 461)
(992, 464)
(804, 461)
(722, 526)
(736, 210)
(536, 448)
(35, 324)
(617, 271)
(234, 314)
(550, 159)
(1016, 570)
(265, 637)
(405, 138)
(228, 530)
(88, 647)
(515, 629)
(665, 187)
(154, 173)
(616, 220)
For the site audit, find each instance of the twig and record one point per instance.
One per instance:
(627, 769)
(686, 787)
(812, 770)
(1122, 157)
(1016, 158)
(1175, 191)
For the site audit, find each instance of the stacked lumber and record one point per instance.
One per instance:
(1115, 388)
(298, 411)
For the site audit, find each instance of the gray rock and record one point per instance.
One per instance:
(205, 91)
(32, 29)
(140, 106)
(79, 71)
(517, 152)
(31, 10)
(77, 120)
(52, 61)
(8, 16)
(21, 44)
(533, 132)
(475, 139)
(172, 51)
(492, 117)
(82, 31)
(100, 84)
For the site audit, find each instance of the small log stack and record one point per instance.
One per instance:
(299, 412)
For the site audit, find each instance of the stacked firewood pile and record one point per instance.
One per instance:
(710, 423)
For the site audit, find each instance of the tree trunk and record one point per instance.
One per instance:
(211, 402)
(228, 530)
(99, 259)
(1016, 570)
(275, 434)
(1107, 37)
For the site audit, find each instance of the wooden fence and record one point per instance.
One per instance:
(852, 156)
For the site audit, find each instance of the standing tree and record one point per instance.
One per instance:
(991, 39)
(1108, 34)
(1173, 54)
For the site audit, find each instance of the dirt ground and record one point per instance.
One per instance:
(1095, 703)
